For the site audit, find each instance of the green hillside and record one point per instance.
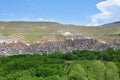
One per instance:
(33, 31)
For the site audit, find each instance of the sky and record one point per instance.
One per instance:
(78, 12)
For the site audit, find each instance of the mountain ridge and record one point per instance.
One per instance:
(112, 23)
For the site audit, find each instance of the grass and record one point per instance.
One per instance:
(33, 31)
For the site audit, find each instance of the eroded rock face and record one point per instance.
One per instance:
(19, 47)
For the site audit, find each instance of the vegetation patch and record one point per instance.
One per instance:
(115, 35)
(76, 65)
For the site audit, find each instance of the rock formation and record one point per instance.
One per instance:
(72, 42)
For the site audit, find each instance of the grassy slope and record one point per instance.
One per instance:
(33, 31)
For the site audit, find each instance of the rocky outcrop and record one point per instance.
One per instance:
(69, 44)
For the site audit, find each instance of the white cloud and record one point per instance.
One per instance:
(27, 19)
(42, 19)
(36, 19)
(109, 12)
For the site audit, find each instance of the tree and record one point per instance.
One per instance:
(2, 78)
(77, 72)
(70, 56)
(99, 70)
(111, 72)
(104, 56)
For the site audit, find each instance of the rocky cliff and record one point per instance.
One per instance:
(74, 42)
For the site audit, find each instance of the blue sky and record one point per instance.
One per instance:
(80, 12)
